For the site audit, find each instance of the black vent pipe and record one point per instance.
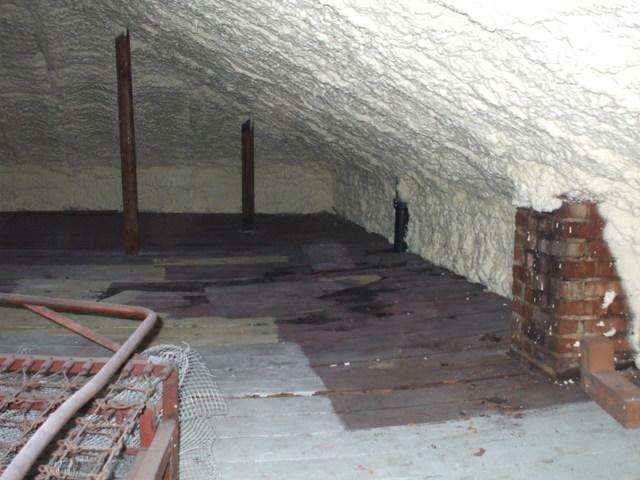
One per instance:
(402, 223)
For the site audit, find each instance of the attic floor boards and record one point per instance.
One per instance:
(338, 358)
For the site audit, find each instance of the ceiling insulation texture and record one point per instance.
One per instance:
(469, 108)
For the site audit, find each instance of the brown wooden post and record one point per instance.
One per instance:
(127, 145)
(248, 208)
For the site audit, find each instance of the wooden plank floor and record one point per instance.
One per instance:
(338, 358)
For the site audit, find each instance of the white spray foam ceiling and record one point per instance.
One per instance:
(523, 101)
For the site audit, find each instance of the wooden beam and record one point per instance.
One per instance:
(127, 145)
(248, 194)
(610, 389)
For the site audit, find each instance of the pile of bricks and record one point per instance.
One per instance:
(565, 287)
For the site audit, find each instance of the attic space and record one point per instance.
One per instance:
(348, 238)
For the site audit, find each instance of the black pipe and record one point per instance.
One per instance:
(401, 226)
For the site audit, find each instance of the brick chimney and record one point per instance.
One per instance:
(565, 287)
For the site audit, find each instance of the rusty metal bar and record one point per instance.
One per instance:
(158, 461)
(74, 365)
(172, 471)
(27, 456)
(170, 401)
(147, 426)
(169, 412)
(127, 145)
(74, 306)
(74, 327)
(248, 193)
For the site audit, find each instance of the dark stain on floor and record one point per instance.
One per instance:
(419, 345)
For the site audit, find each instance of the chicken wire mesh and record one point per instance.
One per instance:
(200, 404)
(92, 446)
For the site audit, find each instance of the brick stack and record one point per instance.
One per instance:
(563, 279)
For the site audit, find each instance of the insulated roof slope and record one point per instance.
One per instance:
(525, 101)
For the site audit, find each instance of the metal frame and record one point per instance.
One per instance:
(158, 455)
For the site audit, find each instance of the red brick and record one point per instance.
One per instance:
(564, 326)
(605, 270)
(578, 210)
(518, 254)
(590, 229)
(602, 325)
(528, 294)
(571, 269)
(569, 248)
(536, 335)
(545, 225)
(582, 322)
(598, 250)
(518, 323)
(598, 287)
(541, 282)
(542, 356)
(543, 264)
(558, 226)
(519, 273)
(589, 326)
(621, 344)
(625, 359)
(619, 322)
(515, 337)
(543, 245)
(522, 217)
(565, 366)
(597, 356)
(517, 289)
(530, 259)
(542, 319)
(564, 344)
(576, 308)
(618, 306)
(525, 310)
(542, 300)
(559, 284)
(568, 289)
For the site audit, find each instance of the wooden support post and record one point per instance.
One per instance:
(127, 145)
(248, 196)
